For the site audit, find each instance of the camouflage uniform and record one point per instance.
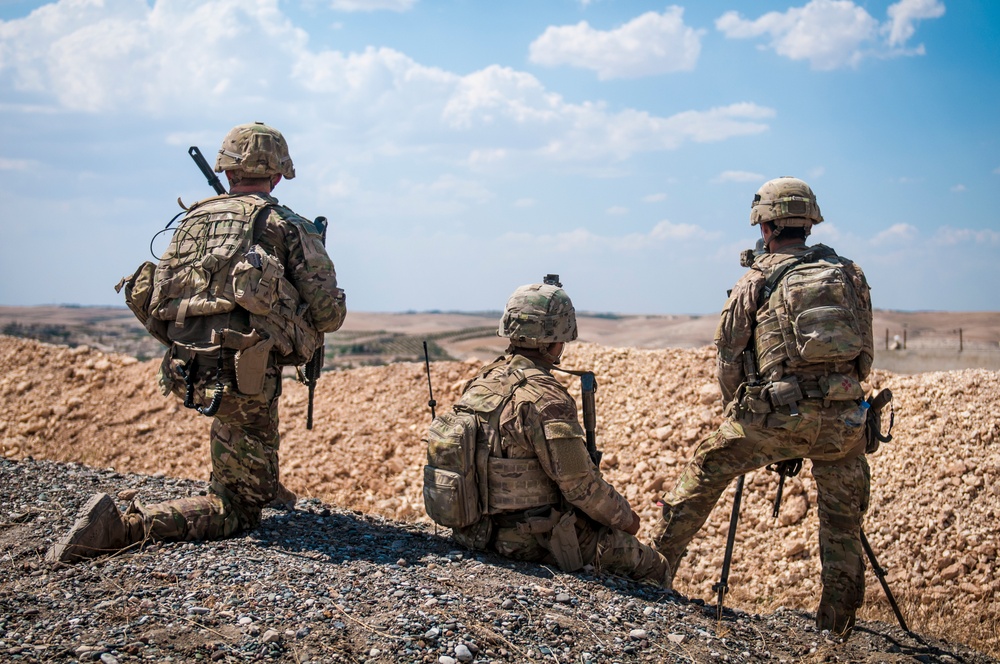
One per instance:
(244, 434)
(829, 432)
(539, 427)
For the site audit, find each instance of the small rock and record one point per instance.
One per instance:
(198, 610)
(507, 604)
(108, 658)
(374, 652)
(463, 653)
(445, 659)
(125, 495)
(563, 598)
(676, 638)
(245, 620)
(637, 634)
(270, 636)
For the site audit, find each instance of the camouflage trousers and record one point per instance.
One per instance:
(834, 441)
(244, 449)
(607, 549)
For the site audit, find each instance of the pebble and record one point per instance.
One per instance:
(637, 634)
(270, 636)
(463, 653)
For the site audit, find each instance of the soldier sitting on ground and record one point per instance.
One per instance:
(525, 486)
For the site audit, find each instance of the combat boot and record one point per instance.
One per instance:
(100, 529)
(839, 623)
(284, 499)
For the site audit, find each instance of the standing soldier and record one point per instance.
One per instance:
(245, 287)
(794, 341)
(518, 479)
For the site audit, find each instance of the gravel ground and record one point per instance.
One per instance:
(323, 584)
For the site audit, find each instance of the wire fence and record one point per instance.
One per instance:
(957, 341)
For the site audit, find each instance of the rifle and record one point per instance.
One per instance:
(430, 390)
(315, 364)
(206, 170)
(722, 587)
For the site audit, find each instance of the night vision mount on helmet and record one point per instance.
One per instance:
(538, 315)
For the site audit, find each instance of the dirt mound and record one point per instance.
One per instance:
(935, 489)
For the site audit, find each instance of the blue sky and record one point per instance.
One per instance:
(461, 149)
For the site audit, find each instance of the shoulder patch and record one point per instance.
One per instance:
(556, 429)
(307, 226)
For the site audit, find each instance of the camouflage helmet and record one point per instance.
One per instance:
(256, 150)
(785, 201)
(537, 315)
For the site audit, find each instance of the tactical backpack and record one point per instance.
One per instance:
(813, 314)
(459, 443)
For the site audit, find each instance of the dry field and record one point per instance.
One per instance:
(935, 496)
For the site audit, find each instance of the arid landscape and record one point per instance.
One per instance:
(935, 492)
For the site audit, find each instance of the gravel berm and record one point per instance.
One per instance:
(322, 584)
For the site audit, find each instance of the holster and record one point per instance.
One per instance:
(252, 355)
(556, 531)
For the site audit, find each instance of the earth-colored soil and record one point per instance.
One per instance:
(935, 492)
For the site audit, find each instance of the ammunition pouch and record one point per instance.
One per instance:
(478, 536)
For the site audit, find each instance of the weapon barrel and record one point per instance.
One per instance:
(880, 574)
(206, 170)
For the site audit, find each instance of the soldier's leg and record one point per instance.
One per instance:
(726, 454)
(621, 553)
(843, 493)
(244, 445)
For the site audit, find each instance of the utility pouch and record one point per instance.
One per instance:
(138, 292)
(251, 367)
(753, 400)
(840, 387)
(256, 280)
(564, 545)
(785, 392)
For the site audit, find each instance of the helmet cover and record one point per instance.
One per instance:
(786, 201)
(537, 315)
(256, 150)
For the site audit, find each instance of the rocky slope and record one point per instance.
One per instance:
(935, 490)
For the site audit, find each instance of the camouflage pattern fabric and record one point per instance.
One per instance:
(244, 447)
(740, 316)
(540, 422)
(828, 432)
(244, 436)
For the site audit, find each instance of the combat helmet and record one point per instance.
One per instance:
(256, 150)
(785, 201)
(537, 315)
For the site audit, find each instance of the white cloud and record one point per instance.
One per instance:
(950, 236)
(831, 34)
(905, 13)
(996, 171)
(740, 176)
(524, 203)
(897, 233)
(958, 188)
(16, 164)
(372, 5)
(647, 45)
(581, 239)
(654, 198)
(816, 172)
(617, 210)
(191, 58)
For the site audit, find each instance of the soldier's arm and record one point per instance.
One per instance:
(864, 314)
(312, 273)
(555, 432)
(733, 334)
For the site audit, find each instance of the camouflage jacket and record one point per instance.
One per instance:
(744, 309)
(541, 422)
